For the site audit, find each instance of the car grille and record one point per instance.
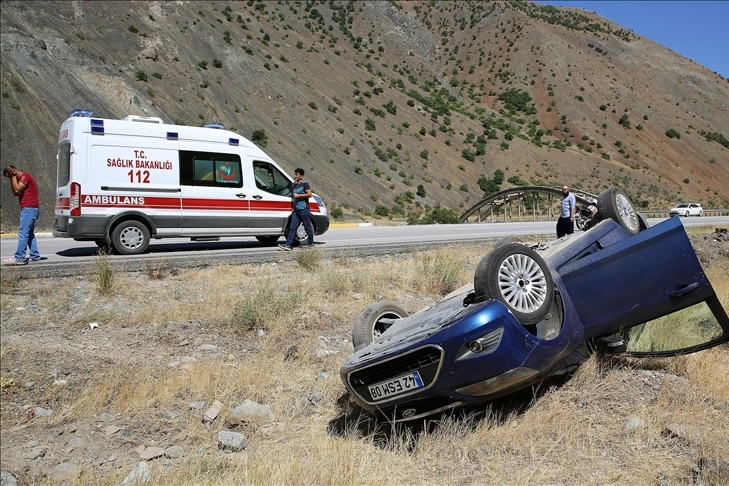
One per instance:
(425, 360)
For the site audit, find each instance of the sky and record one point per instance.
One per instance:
(698, 30)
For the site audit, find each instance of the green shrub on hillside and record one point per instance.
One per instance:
(671, 133)
(260, 138)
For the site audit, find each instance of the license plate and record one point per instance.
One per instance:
(395, 386)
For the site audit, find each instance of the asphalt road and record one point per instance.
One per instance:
(64, 257)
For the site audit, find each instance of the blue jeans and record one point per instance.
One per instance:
(26, 234)
(300, 216)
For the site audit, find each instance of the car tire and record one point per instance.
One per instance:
(300, 237)
(613, 203)
(370, 323)
(268, 240)
(580, 222)
(130, 238)
(518, 277)
(102, 244)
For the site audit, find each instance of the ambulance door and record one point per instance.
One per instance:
(271, 198)
(130, 175)
(214, 199)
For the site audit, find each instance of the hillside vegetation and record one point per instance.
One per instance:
(392, 107)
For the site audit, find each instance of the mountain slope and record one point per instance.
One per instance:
(390, 104)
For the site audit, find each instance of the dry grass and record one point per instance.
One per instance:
(576, 433)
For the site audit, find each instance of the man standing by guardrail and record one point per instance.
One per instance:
(566, 221)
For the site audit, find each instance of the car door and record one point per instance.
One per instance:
(214, 200)
(639, 279)
(271, 203)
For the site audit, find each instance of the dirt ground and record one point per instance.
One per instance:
(47, 363)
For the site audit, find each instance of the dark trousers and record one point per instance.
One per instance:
(565, 227)
(300, 216)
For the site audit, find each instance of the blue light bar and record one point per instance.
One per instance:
(233, 141)
(172, 136)
(77, 113)
(97, 126)
(218, 126)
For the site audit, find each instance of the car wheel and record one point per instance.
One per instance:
(268, 240)
(701, 213)
(375, 320)
(102, 244)
(581, 222)
(301, 238)
(686, 214)
(130, 238)
(518, 277)
(301, 235)
(614, 204)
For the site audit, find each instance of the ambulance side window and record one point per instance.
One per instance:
(270, 179)
(210, 169)
(64, 164)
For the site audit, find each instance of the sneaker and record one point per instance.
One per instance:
(13, 261)
(285, 247)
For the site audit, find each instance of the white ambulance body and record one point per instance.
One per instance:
(122, 182)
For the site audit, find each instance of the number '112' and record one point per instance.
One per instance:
(141, 175)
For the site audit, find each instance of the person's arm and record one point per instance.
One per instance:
(16, 184)
(306, 193)
(572, 208)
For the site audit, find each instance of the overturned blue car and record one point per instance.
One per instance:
(533, 312)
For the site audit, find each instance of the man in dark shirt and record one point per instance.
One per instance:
(24, 186)
(302, 214)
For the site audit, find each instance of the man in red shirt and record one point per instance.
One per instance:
(24, 186)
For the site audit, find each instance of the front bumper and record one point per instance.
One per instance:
(321, 223)
(452, 375)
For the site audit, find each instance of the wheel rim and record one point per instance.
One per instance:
(626, 212)
(522, 283)
(131, 238)
(301, 234)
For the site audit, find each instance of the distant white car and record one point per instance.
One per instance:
(687, 209)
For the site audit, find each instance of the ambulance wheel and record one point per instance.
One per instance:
(130, 238)
(268, 240)
(103, 245)
(301, 237)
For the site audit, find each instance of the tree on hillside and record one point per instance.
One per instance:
(260, 138)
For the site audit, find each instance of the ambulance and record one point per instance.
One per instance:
(121, 183)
